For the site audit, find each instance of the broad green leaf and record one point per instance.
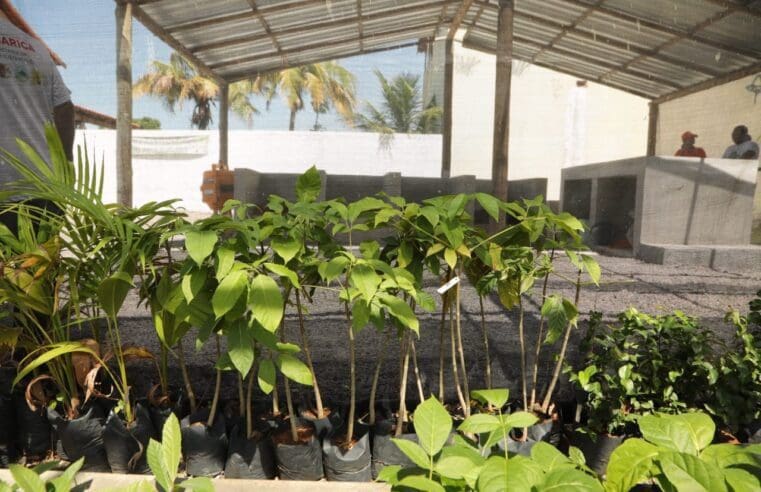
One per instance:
(113, 291)
(197, 484)
(228, 292)
(520, 419)
(284, 271)
(436, 248)
(400, 310)
(450, 256)
(389, 474)
(425, 301)
(51, 352)
(171, 446)
(557, 319)
(225, 260)
(365, 280)
(294, 369)
(370, 249)
(332, 269)
(432, 424)
(419, 482)
(308, 185)
(240, 347)
(156, 464)
(494, 397)
(687, 472)
(384, 215)
(27, 479)
(548, 456)
(266, 376)
(414, 452)
(568, 478)
(404, 254)
(286, 249)
(452, 230)
(479, 424)
(192, 284)
(593, 268)
(267, 302)
(686, 433)
(64, 481)
(363, 205)
(430, 214)
(360, 315)
(508, 292)
(517, 474)
(741, 480)
(200, 244)
(456, 462)
(726, 455)
(630, 464)
(489, 203)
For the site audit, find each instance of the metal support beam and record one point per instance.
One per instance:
(224, 130)
(124, 103)
(709, 84)
(501, 142)
(446, 123)
(589, 11)
(360, 25)
(652, 128)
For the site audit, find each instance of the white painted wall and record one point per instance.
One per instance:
(545, 131)
(712, 114)
(164, 177)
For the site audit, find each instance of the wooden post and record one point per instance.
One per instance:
(652, 128)
(446, 120)
(501, 143)
(224, 93)
(124, 103)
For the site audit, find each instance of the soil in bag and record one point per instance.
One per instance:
(160, 407)
(82, 437)
(33, 435)
(325, 426)
(384, 451)
(597, 450)
(204, 447)
(300, 460)
(7, 431)
(251, 458)
(127, 444)
(348, 463)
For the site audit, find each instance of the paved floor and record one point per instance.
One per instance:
(654, 289)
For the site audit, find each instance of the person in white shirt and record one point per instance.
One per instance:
(744, 147)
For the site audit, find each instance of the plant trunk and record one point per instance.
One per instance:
(249, 405)
(522, 339)
(442, 328)
(485, 331)
(164, 370)
(535, 371)
(353, 379)
(466, 388)
(421, 394)
(275, 398)
(376, 376)
(563, 348)
(402, 417)
(186, 379)
(292, 121)
(217, 385)
(308, 355)
(241, 397)
(455, 372)
(288, 396)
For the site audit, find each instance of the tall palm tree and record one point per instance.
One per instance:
(402, 109)
(178, 81)
(328, 85)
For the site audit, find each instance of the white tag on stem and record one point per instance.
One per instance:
(441, 290)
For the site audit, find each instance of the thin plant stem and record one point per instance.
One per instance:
(461, 351)
(186, 378)
(217, 385)
(522, 338)
(419, 382)
(352, 378)
(563, 348)
(535, 371)
(275, 398)
(455, 372)
(249, 404)
(402, 416)
(376, 376)
(288, 396)
(442, 328)
(164, 370)
(241, 396)
(485, 331)
(308, 355)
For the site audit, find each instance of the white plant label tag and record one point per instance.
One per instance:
(441, 290)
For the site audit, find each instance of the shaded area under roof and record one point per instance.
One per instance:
(657, 49)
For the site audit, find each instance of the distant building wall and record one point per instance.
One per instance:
(712, 114)
(552, 122)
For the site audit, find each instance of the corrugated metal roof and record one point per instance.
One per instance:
(652, 48)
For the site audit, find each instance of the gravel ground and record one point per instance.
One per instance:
(655, 289)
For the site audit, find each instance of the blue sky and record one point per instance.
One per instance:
(82, 32)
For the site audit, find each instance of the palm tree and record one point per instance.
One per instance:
(178, 81)
(328, 85)
(402, 110)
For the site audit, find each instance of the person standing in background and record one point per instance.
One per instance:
(744, 147)
(688, 148)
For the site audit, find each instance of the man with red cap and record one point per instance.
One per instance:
(688, 148)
